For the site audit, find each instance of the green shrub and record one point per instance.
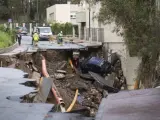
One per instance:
(5, 39)
(7, 36)
(66, 28)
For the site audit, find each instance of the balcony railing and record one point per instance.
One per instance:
(97, 34)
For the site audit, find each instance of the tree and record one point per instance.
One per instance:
(140, 22)
(4, 7)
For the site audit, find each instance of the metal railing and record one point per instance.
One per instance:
(97, 34)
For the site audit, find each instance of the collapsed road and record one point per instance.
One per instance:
(67, 78)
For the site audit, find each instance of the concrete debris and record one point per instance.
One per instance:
(70, 76)
(78, 85)
(103, 82)
(43, 90)
(62, 65)
(61, 71)
(59, 76)
(34, 68)
(36, 76)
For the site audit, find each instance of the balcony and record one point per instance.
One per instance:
(81, 16)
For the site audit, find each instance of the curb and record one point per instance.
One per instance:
(8, 49)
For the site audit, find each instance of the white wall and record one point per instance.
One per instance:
(49, 11)
(109, 36)
(129, 64)
(73, 10)
(62, 12)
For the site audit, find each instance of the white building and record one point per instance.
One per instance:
(63, 13)
(104, 33)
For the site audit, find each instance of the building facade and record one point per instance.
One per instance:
(63, 13)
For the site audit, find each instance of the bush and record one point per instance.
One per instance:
(66, 28)
(7, 37)
(5, 40)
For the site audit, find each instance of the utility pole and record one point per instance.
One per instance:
(89, 20)
(37, 11)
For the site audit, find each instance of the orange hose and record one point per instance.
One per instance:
(70, 62)
(73, 102)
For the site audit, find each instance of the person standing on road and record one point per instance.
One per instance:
(19, 37)
(51, 39)
(60, 38)
(35, 38)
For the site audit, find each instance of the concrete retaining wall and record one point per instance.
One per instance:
(8, 49)
(129, 64)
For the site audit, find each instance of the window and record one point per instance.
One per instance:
(45, 30)
(73, 15)
(51, 16)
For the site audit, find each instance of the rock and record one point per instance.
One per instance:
(59, 76)
(34, 68)
(105, 93)
(69, 76)
(61, 71)
(36, 76)
(94, 91)
(79, 85)
(62, 65)
(92, 112)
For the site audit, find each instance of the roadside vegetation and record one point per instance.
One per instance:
(140, 22)
(66, 28)
(7, 37)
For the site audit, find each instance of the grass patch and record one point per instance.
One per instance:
(5, 40)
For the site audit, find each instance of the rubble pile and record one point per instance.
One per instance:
(90, 92)
(91, 89)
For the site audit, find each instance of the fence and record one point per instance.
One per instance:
(96, 34)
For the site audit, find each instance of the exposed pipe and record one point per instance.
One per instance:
(55, 92)
(44, 69)
(73, 102)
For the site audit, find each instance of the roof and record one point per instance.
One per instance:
(44, 27)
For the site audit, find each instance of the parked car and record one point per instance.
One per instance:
(44, 32)
(23, 30)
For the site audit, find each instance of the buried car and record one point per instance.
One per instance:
(96, 65)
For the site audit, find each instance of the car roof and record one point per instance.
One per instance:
(43, 27)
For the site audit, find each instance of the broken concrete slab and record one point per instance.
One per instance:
(58, 76)
(44, 90)
(36, 76)
(61, 71)
(103, 82)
